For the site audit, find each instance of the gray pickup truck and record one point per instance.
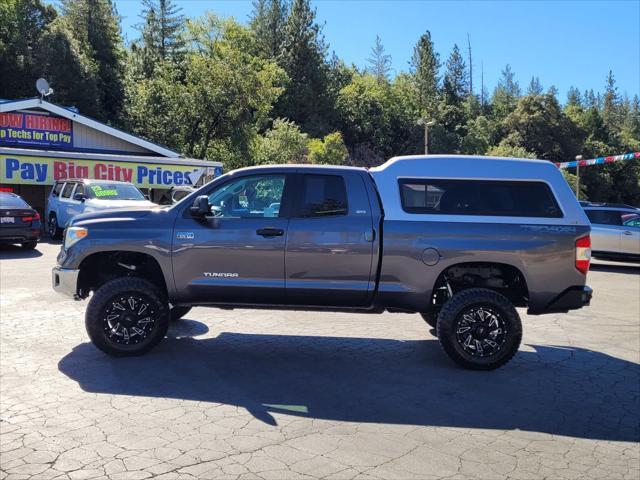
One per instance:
(460, 240)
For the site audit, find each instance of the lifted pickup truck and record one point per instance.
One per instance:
(461, 240)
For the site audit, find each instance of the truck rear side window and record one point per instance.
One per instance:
(478, 197)
(321, 196)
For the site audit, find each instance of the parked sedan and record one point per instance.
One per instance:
(19, 223)
(615, 231)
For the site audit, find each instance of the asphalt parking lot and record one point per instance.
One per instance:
(276, 395)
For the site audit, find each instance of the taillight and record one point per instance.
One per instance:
(583, 254)
(31, 218)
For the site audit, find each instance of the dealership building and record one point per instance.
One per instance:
(41, 142)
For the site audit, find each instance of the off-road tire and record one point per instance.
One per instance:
(102, 300)
(53, 229)
(29, 245)
(176, 313)
(430, 317)
(465, 301)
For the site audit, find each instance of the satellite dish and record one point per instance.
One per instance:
(43, 87)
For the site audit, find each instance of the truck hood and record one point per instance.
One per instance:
(116, 215)
(93, 204)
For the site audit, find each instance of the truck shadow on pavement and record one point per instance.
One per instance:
(14, 252)
(551, 389)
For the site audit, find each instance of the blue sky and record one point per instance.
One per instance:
(564, 43)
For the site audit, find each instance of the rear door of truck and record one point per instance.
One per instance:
(332, 240)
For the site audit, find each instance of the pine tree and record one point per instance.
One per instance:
(506, 93)
(95, 24)
(268, 21)
(379, 61)
(425, 67)
(303, 58)
(535, 87)
(611, 103)
(161, 35)
(456, 83)
(574, 97)
(22, 23)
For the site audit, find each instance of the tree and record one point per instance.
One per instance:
(161, 34)
(456, 78)
(268, 21)
(539, 125)
(329, 151)
(506, 94)
(379, 61)
(306, 98)
(72, 75)
(574, 97)
(22, 23)
(425, 67)
(283, 143)
(535, 87)
(611, 104)
(96, 27)
(212, 105)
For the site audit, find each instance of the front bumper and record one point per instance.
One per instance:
(65, 281)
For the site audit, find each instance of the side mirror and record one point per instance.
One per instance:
(78, 197)
(200, 207)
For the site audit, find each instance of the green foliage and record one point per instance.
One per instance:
(21, 25)
(268, 21)
(95, 24)
(506, 94)
(425, 65)
(379, 63)
(329, 151)
(161, 35)
(539, 125)
(505, 150)
(284, 143)
(213, 103)
(211, 88)
(306, 99)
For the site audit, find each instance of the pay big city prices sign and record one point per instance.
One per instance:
(17, 169)
(30, 129)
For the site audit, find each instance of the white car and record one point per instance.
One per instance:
(615, 230)
(69, 198)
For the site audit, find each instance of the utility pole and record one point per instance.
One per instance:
(578, 159)
(482, 84)
(426, 123)
(470, 65)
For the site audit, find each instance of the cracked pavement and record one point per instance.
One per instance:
(239, 394)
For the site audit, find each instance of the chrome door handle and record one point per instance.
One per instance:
(627, 232)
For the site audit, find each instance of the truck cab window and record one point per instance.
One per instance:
(248, 197)
(322, 195)
(68, 188)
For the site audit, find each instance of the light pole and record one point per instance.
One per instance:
(426, 124)
(578, 159)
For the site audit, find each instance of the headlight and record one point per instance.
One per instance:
(73, 235)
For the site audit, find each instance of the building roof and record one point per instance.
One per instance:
(75, 116)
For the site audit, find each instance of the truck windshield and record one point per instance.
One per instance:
(114, 191)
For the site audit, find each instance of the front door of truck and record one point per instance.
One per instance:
(330, 242)
(236, 254)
